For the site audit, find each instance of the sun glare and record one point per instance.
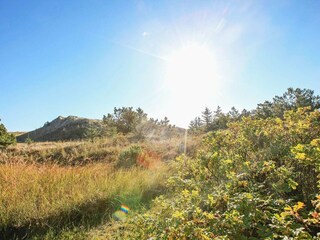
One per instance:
(190, 69)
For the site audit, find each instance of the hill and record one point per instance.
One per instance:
(75, 128)
(17, 133)
(62, 128)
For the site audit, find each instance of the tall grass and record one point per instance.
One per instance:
(48, 189)
(37, 197)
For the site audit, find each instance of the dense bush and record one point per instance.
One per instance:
(5, 138)
(128, 158)
(258, 179)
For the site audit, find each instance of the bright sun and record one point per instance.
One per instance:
(189, 70)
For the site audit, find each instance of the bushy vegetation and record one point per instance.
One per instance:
(129, 157)
(257, 179)
(126, 121)
(6, 138)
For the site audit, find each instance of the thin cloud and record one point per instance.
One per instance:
(139, 50)
(146, 34)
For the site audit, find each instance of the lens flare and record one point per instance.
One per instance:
(121, 214)
(125, 208)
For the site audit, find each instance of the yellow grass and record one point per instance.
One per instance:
(53, 187)
(30, 194)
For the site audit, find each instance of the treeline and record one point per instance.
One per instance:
(136, 123)
(126, 120)
(292, 99)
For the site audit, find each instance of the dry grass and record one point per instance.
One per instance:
(53, 186)
(46, 195)
(83, 152)
(64, 153)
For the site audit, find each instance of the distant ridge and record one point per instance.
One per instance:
(61, 128)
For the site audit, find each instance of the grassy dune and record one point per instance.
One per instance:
(77, 153)
(62, 190)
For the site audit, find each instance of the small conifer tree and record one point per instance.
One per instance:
(5, 138)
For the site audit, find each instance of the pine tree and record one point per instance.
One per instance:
(220, 120)
(165, 121)
(5, 138)
(207, 117)
(234, 114)
(292, 99)
(195, 125)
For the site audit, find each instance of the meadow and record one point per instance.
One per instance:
(60, 190)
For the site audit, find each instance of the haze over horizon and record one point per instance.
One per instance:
(170, 58)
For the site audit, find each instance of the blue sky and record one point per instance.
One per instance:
(84, 58)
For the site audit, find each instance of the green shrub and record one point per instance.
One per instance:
(28, 140)
(6, 138)
(128, 158)
(255, 180)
